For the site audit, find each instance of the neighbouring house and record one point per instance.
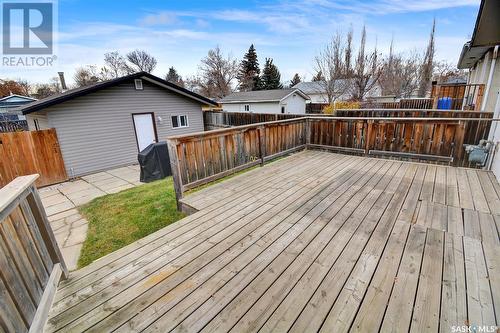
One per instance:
(480, 56)
(105, 125)
(317, 92)
(266, 101)
(8, 104)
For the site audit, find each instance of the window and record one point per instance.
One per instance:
(180, 121)
(247, 107)
(37, 125)
(282, 109)
(138, 84)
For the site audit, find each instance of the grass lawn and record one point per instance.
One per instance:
(116, 220)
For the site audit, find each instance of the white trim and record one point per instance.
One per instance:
(297, 91)
(138, 84)
(16, 95)
(178, 116)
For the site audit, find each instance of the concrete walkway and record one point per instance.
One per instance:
(60, 202)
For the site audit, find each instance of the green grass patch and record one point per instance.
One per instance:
(116, 220)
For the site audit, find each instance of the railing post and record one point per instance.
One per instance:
(262, 144)
(176, 171)
(308, 132)
(369, 133)
(36, 207)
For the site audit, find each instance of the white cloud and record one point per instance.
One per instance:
(162, 18)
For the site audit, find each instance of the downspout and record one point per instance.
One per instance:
(490, 76)
(493, 130)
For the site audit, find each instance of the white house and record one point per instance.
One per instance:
(480, 56)
(317, 92)
(266, 101)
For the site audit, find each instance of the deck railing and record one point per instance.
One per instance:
(200, 158)
(30, 261)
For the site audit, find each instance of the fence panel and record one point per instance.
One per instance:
(203, 157)
(30, 259)
(31, 152)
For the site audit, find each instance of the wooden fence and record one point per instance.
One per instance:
(203, 157)
(30, 152)
(219, 119)
(30, 260)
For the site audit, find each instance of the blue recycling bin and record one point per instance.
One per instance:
(444, 103)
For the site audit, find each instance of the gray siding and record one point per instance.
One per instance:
(96, 131)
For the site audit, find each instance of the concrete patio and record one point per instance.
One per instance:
(61, 202)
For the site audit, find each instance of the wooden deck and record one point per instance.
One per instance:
(313, 242)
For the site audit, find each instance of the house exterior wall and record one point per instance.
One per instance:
(96, 131)
(293, 104)
(41, 117)
(479, 75)
(268, 107)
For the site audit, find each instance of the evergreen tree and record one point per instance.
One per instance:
(174, 77)
(296, 79)
(271, 76)
(248, 75)
(318, 77)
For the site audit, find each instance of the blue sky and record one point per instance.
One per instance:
(179, 33)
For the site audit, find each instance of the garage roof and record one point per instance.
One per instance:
(77, 92)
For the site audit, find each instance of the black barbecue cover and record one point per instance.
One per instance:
(154, 162)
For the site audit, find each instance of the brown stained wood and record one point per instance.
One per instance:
(31, 152)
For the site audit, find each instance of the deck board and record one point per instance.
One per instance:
(315, 241)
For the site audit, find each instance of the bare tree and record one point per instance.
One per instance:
(331, 65)
(85, 76)
(427, 65)
(140, 61)
(43, 90)
(217, 73)
(445, 71)
(400, 74)
(115, 66)
(366, 71)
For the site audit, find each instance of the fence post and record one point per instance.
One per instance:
(176, 171)
(459, 141)
(308, 132)
(369, 133)
(262, 144)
